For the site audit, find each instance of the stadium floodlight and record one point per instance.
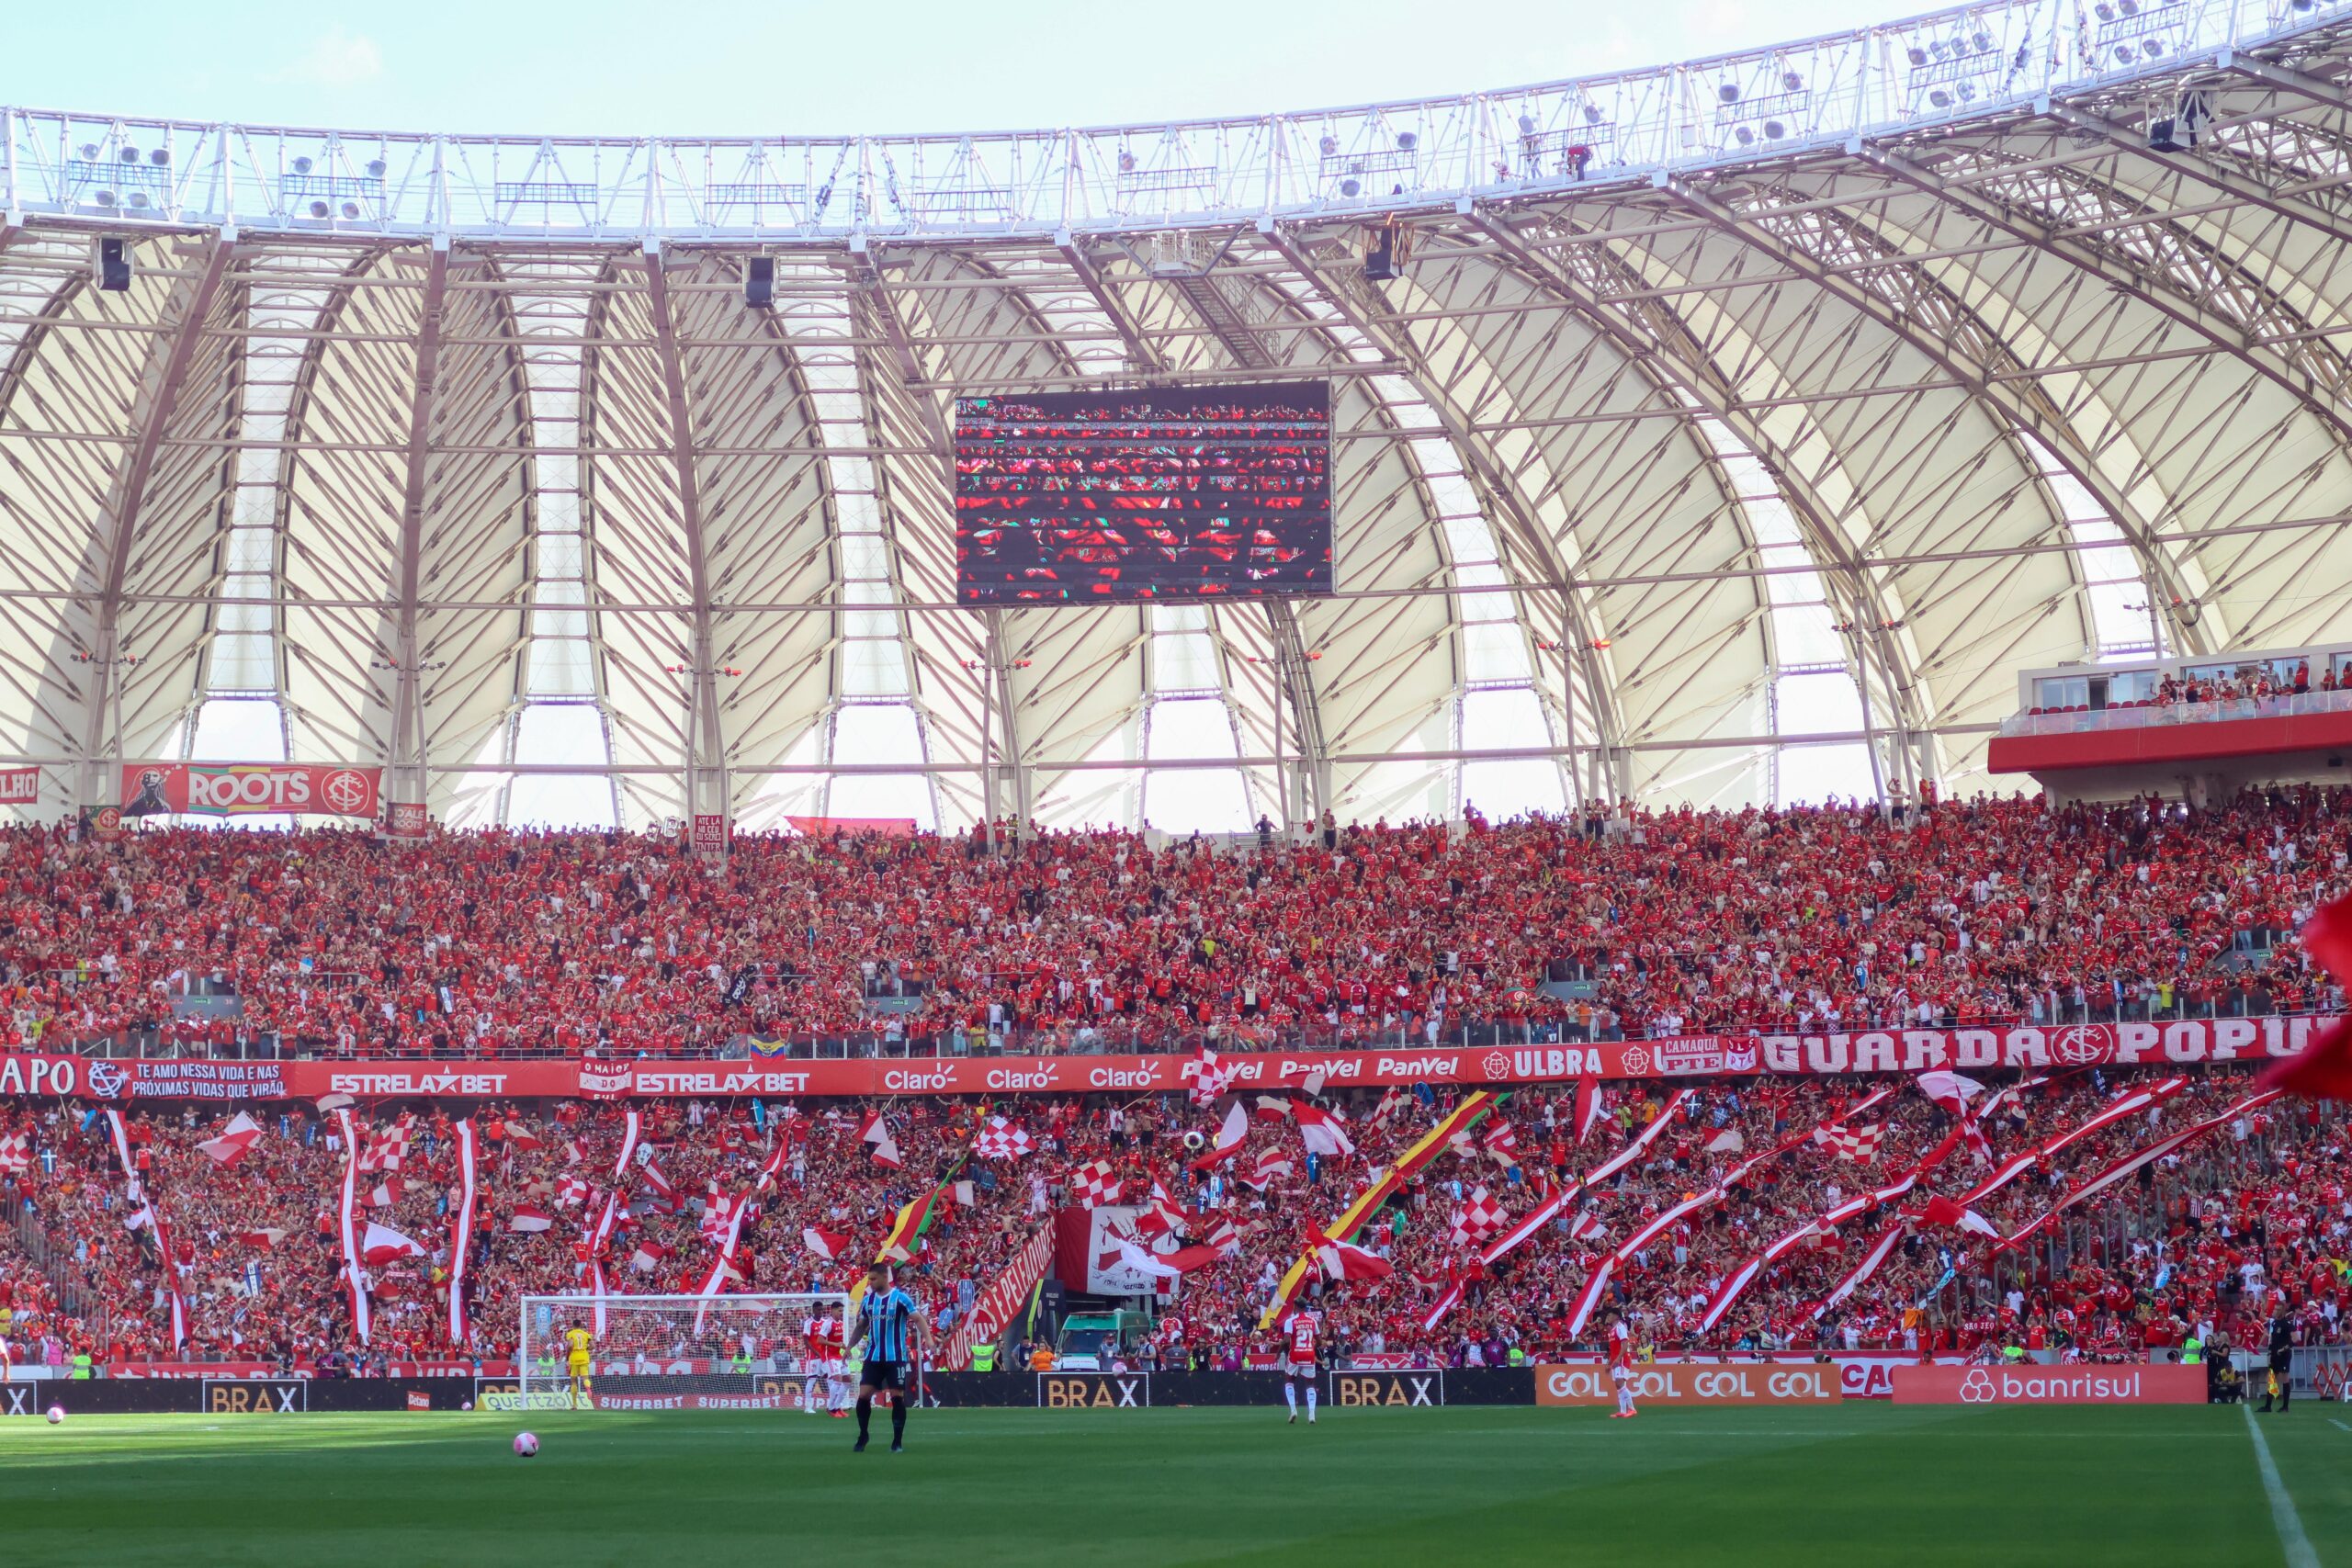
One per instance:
(671, 1352)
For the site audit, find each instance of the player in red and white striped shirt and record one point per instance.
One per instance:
(1621, 1364)
(1299, 1332)
(821, 1364)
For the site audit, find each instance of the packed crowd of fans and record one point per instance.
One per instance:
(1650, 922)
(2210, 1240)
(2260, 682)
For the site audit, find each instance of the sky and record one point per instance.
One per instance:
(720, 67)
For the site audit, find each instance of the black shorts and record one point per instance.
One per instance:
(882, 1374)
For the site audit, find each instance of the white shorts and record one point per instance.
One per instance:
(1301, 1370)
(1621, 1375)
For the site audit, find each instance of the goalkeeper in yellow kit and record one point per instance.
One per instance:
(577, 1341)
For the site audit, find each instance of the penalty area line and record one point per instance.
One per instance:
(2293, 1541)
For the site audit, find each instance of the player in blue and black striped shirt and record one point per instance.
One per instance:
(890, 1327)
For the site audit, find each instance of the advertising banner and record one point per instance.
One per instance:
(1094, 1391)
(994, 1309)
(2182, 1042)
(1694, 1383)
(2200, 1042)
(255, 1396)
(1402, 1390)
(2031, 1385)
(249, 789)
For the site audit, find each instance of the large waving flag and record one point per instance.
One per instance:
(384, 1245)
(2325, 1069)
(1230, 1135)
(1343, 1261)
(830, 1245)
(461, 1234)
(239, 1135)
(1588, 1105)
(1209, 1077)
(875, 1132)
(1474, 1109)
(1324, 1131)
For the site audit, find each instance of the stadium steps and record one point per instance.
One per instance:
(1223, 318)
(56, 1263)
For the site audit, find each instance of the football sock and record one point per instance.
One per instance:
(1290, 1393)
(897, 1422)
(864, 1415)
(1310, 1402)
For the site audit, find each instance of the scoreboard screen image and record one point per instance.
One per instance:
(1167, 494)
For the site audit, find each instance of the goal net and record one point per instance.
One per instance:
(762, 1352)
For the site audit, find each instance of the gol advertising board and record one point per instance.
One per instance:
(2035, 1384)
(1694, 1383)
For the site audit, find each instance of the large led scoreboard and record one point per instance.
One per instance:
(1164, 493)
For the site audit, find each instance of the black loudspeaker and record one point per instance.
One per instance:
(113, 265)
(758, 282)
(1380, 253)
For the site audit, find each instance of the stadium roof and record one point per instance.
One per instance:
(1735, 432)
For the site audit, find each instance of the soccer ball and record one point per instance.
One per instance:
(469, 1405)
(526, 1444)
(56, 1413)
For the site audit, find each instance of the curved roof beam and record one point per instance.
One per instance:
(2254, 193)
(996, 652)
(1145, 356)
(1369, 319)
(1212, 302)
(2318, 89)
(2158, 293)
(1203, 293)
(408, 706)
(1695, 375)
(350, 688)
(117, 522)
(1147, 359)
(2045, 421)
(706, 745)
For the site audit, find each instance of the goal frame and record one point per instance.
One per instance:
(786, 1380)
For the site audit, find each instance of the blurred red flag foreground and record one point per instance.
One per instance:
(2325, 1071)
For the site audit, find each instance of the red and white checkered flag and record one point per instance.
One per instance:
(386, 1150)
(1095, 1185)
(1209, 1079)
(1477, 1219)
(1858, 1144)
(1001, 1140)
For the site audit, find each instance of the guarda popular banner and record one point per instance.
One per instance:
(2194, 1044)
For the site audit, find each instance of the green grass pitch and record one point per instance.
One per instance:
(1859, 1483)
